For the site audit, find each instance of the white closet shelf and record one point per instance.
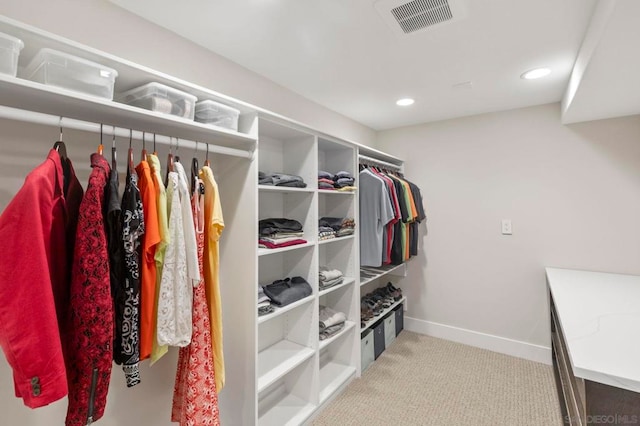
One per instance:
(266, 251)
(285, 189)
(332, 376)
(381, 272)
(130, 74)
(289, 411)
(33, 96)
(335, 240)
(279, 359)
(347, 281)
(348, 325)
(332, 192)
(372, 321)
(280, 311)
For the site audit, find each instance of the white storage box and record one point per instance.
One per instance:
(10, 48)
(70, 72)
(211, 112)
(367, 355)
(160, 98)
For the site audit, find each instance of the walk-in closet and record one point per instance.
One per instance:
(360, 213)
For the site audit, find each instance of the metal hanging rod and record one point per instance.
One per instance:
(87, 126)
(369, 160)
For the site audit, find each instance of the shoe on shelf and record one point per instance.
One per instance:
(366, 313)
(395, 290)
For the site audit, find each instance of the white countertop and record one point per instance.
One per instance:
(600, 316)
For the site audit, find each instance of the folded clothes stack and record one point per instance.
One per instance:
(288, 290)
(326, 233)
(341, 226)
(325, 180)
(279, 232)
(347, 228)
(329, 277)
(341, 181)
(264, 303)
(281, 179)
(331, 322)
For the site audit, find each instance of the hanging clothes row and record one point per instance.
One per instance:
(391, 209)
(94, 278)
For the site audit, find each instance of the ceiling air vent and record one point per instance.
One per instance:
(410, 17)
(419, 14)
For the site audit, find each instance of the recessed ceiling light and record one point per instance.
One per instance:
(405, 102)
(536, 73)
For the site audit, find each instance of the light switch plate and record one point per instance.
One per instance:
(506, 227)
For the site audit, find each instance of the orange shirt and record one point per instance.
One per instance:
(151, 239)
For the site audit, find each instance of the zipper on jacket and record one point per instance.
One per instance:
(92, 395)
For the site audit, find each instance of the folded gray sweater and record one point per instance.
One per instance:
(327, 274)
(330, 317)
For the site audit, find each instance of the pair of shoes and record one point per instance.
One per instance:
(366, 313)
(394, 291)
(374, 305)
(384, 292)
(381, 298)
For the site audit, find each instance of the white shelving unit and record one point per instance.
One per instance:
(289, 349)
(278, 372)
(287, 357)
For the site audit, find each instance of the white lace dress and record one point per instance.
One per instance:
(175, 304)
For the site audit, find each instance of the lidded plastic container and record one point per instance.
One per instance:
(71, 72)
(211, 112)
(10, 48)
(160, 98)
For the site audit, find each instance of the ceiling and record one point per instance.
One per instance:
(343, 55)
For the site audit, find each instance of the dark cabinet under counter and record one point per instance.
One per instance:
(595, 342)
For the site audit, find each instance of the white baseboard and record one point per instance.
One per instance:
(498, 344)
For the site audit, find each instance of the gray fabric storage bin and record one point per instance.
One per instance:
(378, 338)
(367, 355)
(389, 329)
(399, 313)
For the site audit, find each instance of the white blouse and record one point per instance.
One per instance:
(180, 272)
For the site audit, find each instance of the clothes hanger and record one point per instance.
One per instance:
(207, 163)
(114, 161)
(194, 169)
(143, 154)
(177, 157)
(154, 145)
(61, 148)
(130, 165)
(100, 147)
(169, 163)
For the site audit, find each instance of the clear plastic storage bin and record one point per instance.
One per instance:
(211, 112)
(160, 98)
(70, 72)
(10, 48)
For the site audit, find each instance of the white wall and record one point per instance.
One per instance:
(102, 25)
(572, 192)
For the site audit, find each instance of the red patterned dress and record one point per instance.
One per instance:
(195, 398)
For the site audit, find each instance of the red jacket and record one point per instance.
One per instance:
(34, 276)
(89, 332)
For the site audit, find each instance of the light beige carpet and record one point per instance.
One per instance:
(422, 380)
